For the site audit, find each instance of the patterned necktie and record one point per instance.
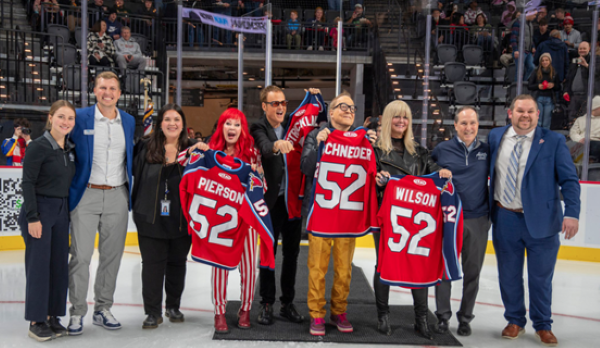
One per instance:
(510, 185)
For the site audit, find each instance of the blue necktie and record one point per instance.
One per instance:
(510, 185)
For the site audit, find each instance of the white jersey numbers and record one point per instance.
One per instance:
(339, 196)
(197, 218)
(413, 247)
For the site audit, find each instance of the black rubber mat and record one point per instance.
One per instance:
(361, 313)
(362, 316)
(360, 288)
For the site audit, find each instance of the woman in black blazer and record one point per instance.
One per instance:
(162, 233)
(48, 169)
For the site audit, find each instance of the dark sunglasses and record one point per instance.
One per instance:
(277, 103)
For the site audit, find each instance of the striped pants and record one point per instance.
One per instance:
(247, 269)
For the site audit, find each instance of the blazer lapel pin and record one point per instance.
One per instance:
(541, 141)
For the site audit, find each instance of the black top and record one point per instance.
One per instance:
(47, 171)
(149, 190)
(273, 164)
(398, 145)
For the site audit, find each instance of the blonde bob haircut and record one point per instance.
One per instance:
(395, 108)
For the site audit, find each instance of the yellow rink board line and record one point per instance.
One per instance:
(565, 252)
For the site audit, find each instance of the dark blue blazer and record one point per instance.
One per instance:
(84, 148)
(548, 173)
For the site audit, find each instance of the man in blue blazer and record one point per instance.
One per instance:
(530, 168)
(99, 200)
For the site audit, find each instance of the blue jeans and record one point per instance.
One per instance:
(485, 42)
(528, 66)
(196, 33)
(545, 105)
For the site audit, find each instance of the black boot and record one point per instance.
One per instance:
(382, 295)
(422, 327)
(383, 324)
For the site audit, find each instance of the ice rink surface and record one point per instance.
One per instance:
(576, 308)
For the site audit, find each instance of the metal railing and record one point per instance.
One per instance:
(461, 36)
(197, 34)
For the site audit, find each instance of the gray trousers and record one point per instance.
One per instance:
(475, 237)
(104, 211)
(138, 63)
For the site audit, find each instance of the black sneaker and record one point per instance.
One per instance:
(56, 327)
(41, 331)
(289, 311)
(265, 316)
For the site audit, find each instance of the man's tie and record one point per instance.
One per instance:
(510, 185)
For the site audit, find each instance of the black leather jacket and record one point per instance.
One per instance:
(420, 163)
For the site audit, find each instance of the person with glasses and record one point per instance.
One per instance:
(268, 133)
(398, 153)
(341, 111)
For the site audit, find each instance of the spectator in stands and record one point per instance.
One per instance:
(543, 85)
(577, 132)
(73, 20)
(44, 223)
(292, 28)
(558, 52)
(570, 36)
(222, 7)
(482, 32)
(358, 34)
(100, 46)
(459, 31)
(190, 132)
(558, 18)
(576, 85)
(541, 34)
(541, 14)
(317, 31)
(472, 13)
(527, 44)
(437, 20)
(122, 11)
(36, 12)
(198, 136)
(129, 55)
(150, 11)
(333, 33)
(52, 10)
(252, 5)
(97, 5)
(507, 15)
(14, 148)
(449, 10)
(113, 25)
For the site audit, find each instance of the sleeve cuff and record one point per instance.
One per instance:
(570, 217)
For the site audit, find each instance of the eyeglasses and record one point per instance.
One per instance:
(277, 103)
(346, 107)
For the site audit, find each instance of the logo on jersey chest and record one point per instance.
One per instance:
(350, 134)
(225, 176)
(482, 156)
(195, 157)
(255, 182)
(420, 182)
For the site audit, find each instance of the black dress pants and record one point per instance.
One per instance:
(382, 292)
(291, 232)
(163, 262)
(47, 260)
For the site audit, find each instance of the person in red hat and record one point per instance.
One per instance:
(570, 36)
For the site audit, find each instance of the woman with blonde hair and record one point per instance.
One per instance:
(48, 170)
(397, 153)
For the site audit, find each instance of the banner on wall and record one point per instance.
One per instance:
(11, 198)
(251, 25)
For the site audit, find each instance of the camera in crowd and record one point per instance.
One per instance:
(25, 131)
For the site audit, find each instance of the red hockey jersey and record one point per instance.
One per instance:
(344, 200)
(421, 231)
(222, 198)
(309, 114)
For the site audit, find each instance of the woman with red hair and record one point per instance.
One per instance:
(233, 138)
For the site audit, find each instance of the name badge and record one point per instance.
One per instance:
(165, 207)
(88, 131)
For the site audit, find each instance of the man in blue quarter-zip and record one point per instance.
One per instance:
(469, 161)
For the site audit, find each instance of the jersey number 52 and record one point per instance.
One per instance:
(339, 196)
(413, 247)
(198, 218)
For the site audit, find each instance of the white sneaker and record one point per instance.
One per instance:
(321, 48)
(75, 327)
(309, 48)
(105, 319)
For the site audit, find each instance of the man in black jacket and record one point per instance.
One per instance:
(576, 84)
(268, 133)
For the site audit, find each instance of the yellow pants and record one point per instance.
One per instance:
(319, 250)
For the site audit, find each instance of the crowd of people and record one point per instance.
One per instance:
(88, 187)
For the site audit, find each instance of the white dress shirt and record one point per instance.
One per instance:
(109, 161)
(509, 140)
